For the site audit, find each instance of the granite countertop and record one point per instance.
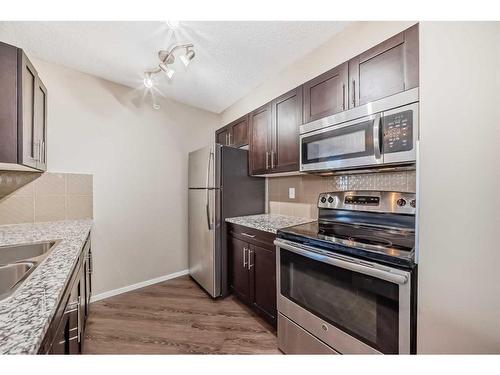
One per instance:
(268, 222)
(25, 316)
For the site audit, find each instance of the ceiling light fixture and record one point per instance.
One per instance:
(167, 58)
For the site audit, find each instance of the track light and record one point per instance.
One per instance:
(188, 56)
(167, 70)
(167, 59)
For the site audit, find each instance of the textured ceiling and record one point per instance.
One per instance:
(232, 58)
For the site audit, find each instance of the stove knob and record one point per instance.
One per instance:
(330, 200)
(323, 199)
(401, 202)
(413, 203)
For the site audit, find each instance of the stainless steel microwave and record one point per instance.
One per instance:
(376, 134)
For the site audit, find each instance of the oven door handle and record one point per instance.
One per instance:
(376, 136)
(355, 265)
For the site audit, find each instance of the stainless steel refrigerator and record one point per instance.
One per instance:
(219, 187)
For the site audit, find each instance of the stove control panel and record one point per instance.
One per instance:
(378, 201)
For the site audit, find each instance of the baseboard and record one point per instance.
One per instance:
(142, 284)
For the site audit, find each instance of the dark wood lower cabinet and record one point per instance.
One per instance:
(252, 271)
(239, 276)
(66, 332)
(263, 281)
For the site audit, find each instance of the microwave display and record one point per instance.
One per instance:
(398, 132)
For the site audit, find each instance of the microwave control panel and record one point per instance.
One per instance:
(398, 132)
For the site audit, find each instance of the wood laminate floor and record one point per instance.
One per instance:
(175, 317)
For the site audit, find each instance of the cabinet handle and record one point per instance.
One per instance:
(343, 96)
(42, 157)
(353, 93)
(250, 265)
(272, 159)
(90, 270)
(229, 135)
(245, 257)
(248, 235)
(267, 160)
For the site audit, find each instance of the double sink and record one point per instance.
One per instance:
(17, 262)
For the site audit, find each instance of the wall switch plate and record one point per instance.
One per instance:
(291, 193)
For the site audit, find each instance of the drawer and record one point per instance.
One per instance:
(252, 235)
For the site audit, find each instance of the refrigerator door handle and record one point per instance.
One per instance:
(209, 221)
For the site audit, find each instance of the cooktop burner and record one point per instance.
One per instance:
(392, 245)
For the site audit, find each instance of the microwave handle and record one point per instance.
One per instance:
(376, 136)
(366, 268)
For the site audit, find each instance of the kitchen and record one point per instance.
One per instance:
(320, 205)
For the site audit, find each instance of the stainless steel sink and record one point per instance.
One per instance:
(11, 276)
(18, 262)
(12, 254)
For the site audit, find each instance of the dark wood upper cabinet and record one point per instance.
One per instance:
(286, 120)
(326, 94)
(274, 135)
(239, 132)
(262, 269)
(222, 136)
(234, 134)
(23, 111)
(386, 69)
(260, 122)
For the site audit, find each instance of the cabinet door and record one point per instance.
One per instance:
(260, 140)
(60, 343)
(326, 94)
(40, 121)
(222, 136)
(239, 132)
(262, 268)
(386, 69)
(88, 282)
(29, 150)
(238, 277)
(73, 311)
(287, 117)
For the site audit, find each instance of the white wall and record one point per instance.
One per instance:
(138, 157)
(459, 270)
(354, 39)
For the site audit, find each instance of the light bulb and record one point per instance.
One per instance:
(148, 82)
(173, 25)
(187, 57)
(168, 71)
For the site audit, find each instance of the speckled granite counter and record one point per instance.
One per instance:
(268, 222)
(26, 315)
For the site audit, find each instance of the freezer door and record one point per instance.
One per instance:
(201, 239)
(202, 168)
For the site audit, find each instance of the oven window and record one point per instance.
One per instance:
(363, 306)
(336, 144)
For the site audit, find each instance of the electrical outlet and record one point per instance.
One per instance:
(291, 193)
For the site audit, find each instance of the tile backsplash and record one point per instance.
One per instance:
(50, 197)
(308, 187)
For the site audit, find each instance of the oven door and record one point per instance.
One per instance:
(355, 307)
(351, 144)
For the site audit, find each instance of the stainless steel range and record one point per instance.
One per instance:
(346, 283)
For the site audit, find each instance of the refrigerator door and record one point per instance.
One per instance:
(203, 262)
(202, 168)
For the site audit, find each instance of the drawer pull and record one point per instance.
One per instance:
(248, 235)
